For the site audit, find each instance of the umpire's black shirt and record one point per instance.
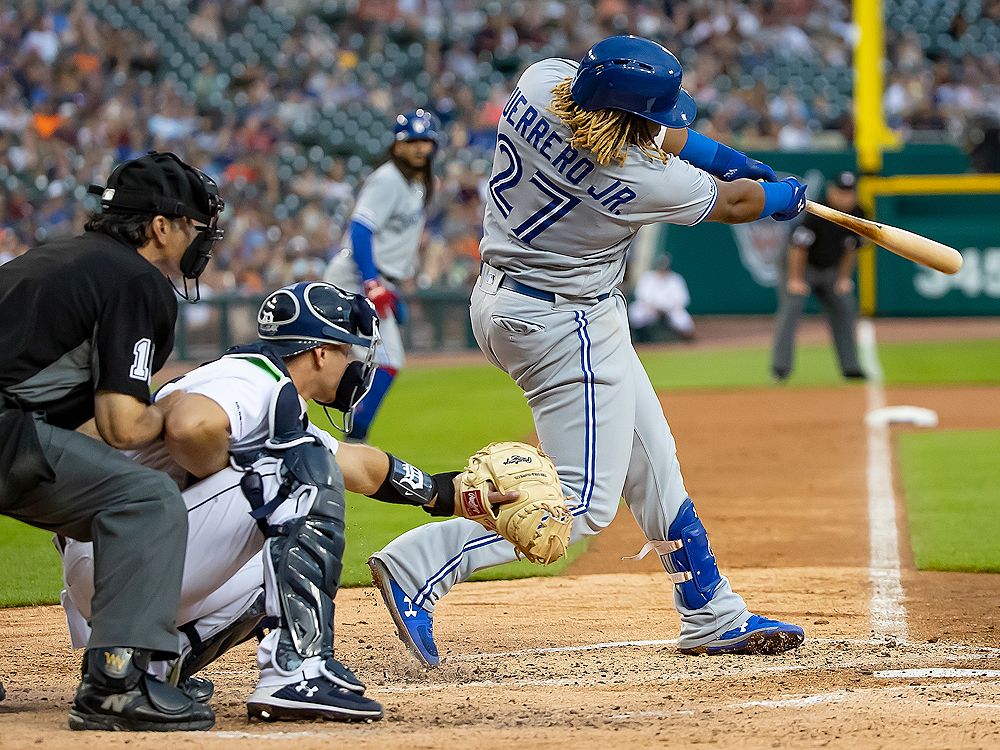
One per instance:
(825, 242)
(81, 315)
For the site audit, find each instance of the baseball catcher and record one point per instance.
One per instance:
(264, 491)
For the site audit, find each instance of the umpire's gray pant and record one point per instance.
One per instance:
(138, 523)
(840, 314)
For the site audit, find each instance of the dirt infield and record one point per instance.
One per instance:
(586, 660)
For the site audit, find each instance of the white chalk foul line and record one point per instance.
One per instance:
(564, 649)
(887, 612)
(934, 672)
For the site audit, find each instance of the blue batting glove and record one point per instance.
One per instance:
(796, 204)
(758, 170)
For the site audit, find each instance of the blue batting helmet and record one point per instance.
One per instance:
(419, 125)
(308, 314)
(635, 75)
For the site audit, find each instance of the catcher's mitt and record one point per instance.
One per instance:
(538, 522)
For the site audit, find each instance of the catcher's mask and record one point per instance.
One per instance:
(303, 316)
(159, 183)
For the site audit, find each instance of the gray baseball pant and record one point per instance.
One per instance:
(840, 314)
(600, 420)
(138, 523)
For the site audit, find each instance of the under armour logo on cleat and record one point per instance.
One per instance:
(743, 627)
(410, 611)
(305, 687)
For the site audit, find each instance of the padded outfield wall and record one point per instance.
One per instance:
(735, 269)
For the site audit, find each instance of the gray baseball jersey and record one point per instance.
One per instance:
(560, 224)
(555, 216)
(393, 208)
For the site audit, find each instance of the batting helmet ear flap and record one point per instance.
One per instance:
(634, 75)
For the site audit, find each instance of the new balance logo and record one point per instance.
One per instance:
(305, 687)
(117, 703)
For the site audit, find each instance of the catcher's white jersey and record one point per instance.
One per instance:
(244, 387)
(555, 218)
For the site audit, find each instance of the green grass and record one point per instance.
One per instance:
(435, 416)
(974, 361)
(740, 367)
(945, 362)
(32, 571)
(951, 480)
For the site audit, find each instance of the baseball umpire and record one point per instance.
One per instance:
(87, 321)
(821, 261)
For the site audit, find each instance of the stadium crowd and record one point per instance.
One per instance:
(289, 104)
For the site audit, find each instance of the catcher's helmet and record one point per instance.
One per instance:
(308, 314)
(419, 125)
(635, 75)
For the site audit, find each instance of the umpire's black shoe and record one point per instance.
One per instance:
(116, 694)
(3, 693)
(317, 698)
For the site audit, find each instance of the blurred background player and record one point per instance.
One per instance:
(386, 228)
(661, 300)
(821, 261)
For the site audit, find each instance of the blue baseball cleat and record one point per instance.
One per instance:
(758, 635)
(414, 625)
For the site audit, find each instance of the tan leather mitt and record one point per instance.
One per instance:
(538, 522)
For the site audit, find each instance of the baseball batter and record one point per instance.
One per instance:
(386, 227)
(584, 158)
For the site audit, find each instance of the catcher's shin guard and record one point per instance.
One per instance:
(305, 557)
(692, 563)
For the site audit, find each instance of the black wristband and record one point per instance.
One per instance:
(444, 486)
(405, 484)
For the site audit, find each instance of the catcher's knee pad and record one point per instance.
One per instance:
(306, 558)
(692, 564)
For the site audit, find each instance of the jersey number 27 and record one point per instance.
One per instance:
(560, 203)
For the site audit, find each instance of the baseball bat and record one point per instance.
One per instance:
(909, 245)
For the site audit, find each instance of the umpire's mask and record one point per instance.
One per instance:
(308, 314)
(159, 183)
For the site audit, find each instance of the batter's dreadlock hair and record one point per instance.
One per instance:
(606, 133)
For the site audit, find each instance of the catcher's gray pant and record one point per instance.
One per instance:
(840, 314)
(600, 420)
(135, 518)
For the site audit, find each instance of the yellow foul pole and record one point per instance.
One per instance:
(871, 134)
